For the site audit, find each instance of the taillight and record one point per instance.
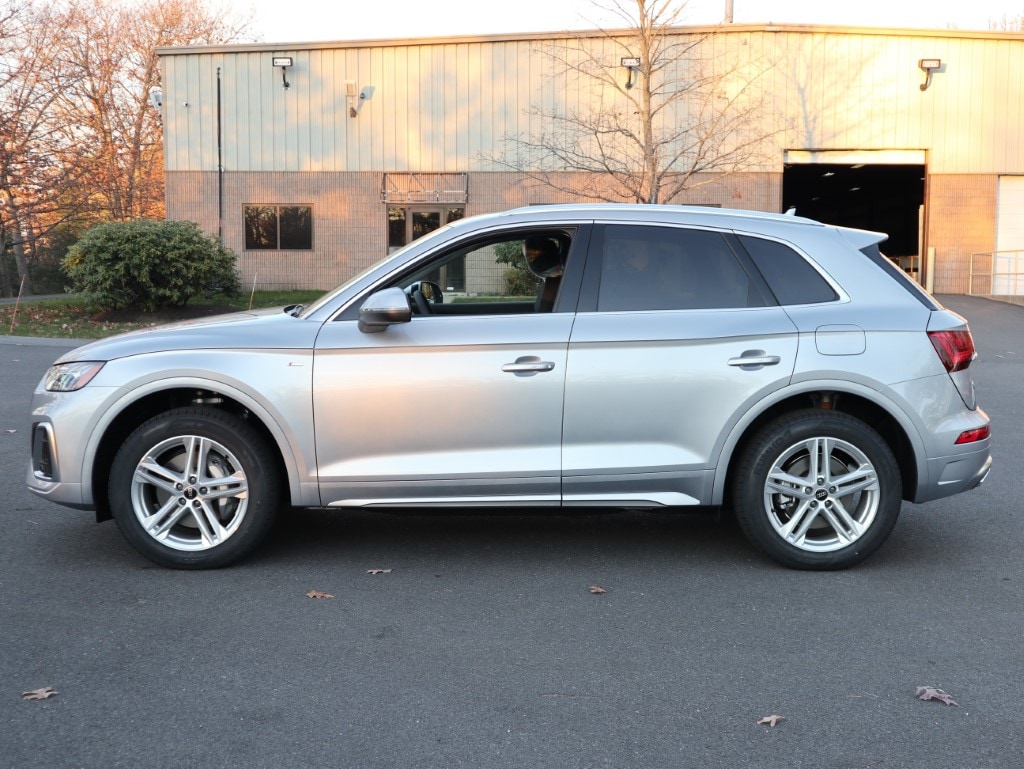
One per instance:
(955, 348)
(973, 436)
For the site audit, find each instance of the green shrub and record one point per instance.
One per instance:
(518, 278)
(147, 264)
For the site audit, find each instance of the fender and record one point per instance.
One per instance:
(289, 441)
(887, 400)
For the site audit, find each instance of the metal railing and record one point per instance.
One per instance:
(996, 273)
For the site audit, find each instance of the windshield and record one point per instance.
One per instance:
(396, 256)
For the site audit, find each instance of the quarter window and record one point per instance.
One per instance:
(286, 228)
(789, 276)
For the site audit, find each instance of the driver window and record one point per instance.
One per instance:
(519, 273)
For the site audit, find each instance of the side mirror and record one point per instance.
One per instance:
(384, 308)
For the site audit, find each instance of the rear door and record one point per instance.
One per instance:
(676, 338)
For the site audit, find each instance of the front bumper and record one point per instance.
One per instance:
(62, 426)
(44, 471)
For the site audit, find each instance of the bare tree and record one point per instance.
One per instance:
(1008, 23)
(681, 114)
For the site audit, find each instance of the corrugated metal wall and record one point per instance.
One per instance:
(447, 105)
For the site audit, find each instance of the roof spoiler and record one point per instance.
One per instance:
(862, 238)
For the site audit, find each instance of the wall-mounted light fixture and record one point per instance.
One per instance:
(356, 98)
(284, 62)
(929, 66)
(350, 94)
(632, 65)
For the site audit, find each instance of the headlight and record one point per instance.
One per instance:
(65, 377)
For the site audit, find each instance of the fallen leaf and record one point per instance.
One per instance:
(39, 694)
(318, 594)
(597, 589)
(933, 693)
(378, 571)
(770, 720)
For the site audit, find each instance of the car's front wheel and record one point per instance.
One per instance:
(194, 488)
(817, 490)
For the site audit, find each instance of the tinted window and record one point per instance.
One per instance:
(875, 255)
(296, 227)
(279, 227)
(790, 277)
(260, 227)
(669, 268)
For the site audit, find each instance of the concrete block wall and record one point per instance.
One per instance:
(350, 221)
(961, 220)
(500, 191)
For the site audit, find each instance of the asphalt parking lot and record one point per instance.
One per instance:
(483, 646)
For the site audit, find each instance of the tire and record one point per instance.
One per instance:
(205, 518)
(828, 516)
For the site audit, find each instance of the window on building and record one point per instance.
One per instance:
(285, 228)
(406, 224)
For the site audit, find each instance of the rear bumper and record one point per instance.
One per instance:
(954, 474)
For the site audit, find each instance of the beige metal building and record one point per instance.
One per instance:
(313, 160)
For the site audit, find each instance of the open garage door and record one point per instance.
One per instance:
(879, 190)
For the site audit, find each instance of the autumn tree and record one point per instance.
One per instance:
(113, 57)
(680, 115)
(37, 146)
(80, 142)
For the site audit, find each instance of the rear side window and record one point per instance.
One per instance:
(790, 277)
(670, 268)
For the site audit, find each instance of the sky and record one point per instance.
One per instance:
(295, 21)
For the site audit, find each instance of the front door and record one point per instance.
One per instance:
(462, 405)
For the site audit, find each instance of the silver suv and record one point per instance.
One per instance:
(564, 356)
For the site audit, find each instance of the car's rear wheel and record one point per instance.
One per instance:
(194, 488)
(817, 490)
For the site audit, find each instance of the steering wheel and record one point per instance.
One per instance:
(422, 305)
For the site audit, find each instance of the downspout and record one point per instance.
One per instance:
(220, 171)
(728, 12)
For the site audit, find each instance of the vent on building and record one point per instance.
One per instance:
(425, 188)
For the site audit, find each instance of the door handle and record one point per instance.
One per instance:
(529, 364)
(751, 360)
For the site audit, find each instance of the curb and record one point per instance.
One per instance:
(41, 341)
